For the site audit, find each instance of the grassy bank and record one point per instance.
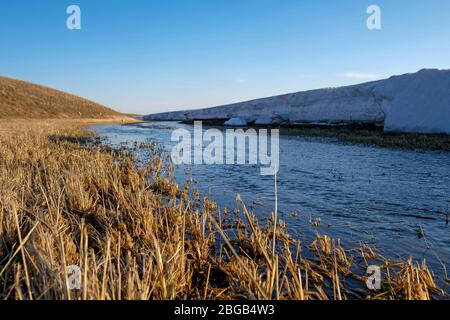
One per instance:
(136, 234)
(374, 136)
(363, 134)
(32, 101)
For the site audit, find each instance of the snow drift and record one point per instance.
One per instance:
(418, 102)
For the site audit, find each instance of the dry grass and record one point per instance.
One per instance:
(362, 134)
(136, 234)
(19, 99)
(373, 136)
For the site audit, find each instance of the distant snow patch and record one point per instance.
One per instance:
(236, 122)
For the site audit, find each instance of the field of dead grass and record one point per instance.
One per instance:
(136, 234)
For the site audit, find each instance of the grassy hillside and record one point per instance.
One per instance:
(19, 99)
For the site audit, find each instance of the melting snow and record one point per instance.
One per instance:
(418, 102)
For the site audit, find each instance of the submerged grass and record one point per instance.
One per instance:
(136, 234)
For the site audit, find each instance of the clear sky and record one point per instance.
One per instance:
(148, 56)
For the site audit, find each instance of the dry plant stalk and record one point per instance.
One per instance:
(137, 235)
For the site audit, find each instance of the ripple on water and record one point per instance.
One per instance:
(360, 193)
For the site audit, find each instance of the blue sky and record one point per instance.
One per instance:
(149, 56)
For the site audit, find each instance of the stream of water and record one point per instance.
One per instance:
(395, 200)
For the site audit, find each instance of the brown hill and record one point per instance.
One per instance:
(20, 99)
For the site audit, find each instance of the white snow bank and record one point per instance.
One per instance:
(236, 122)
(417, 102)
